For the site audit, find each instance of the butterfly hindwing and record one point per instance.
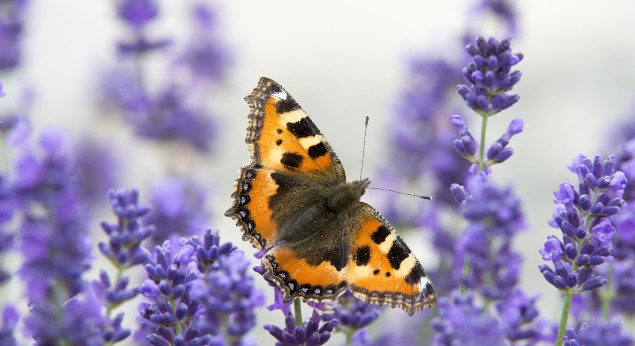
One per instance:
(297, 278)
(254, 188)
(383, 270)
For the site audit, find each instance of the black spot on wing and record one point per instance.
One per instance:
(302, 128)
(380, 234)
(415, 275)
(317, 150)
(278, 141)
(286, 105)
(362, 255)
(274, 88)
(397, 254)
(291, 160)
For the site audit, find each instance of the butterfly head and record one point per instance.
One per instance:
(347, 194)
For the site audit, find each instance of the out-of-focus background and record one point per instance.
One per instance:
(341, 61)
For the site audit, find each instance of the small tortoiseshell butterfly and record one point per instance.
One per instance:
(294, 201)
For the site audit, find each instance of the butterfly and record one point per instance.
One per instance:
(292, 200)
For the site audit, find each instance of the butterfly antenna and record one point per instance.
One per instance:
(379, 188)
(401, 193)
(364, 147)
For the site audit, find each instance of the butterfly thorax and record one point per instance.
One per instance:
(345, 195)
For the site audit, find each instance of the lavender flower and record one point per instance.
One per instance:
(10, 318)
(310, 333)
(137, 15)
(7, 236)
(582, 216)
(169, 118)
(353, 316)
(494, 217)
(503, 9)
(125, 236)
(490, 77)
(296, 332)
(167, 114)
(198, 293)
(353, 313)
(12, 24)
(168, 314)
(54, 244)
(230, 297)
(519, 317)
(462, 322)
(178, 209)
(204, 56)
(123, 251)
(419, 129)
(97, 166)
(498, 152)
(598, 334)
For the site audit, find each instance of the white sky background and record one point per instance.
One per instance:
(342, 60)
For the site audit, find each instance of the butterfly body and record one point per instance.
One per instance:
(294, 201)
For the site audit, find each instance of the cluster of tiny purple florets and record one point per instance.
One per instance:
(582, 215)
(490, 76)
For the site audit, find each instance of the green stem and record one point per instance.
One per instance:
(606, 294)
(564, 318)
(349, 337)
(467, 267)
(481, 149)
(298, 312)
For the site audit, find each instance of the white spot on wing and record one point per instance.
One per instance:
(385, 246)
(291, 117)
(307, 142)
(406, 266)
(281, 95)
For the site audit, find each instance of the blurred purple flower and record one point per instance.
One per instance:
(167, 114)
(421, 139)
(12, 25)
(54, 244)
(54, 227)
(582, 216)
(77, 321)
(503, 9)
(462, 322)
(10, 318)
(205, 55)
(599, 333)
(169, 118)
(353, 316)
(98, 168)
(490, 77)
(494, 217)
(7, 235)
(178, 209)
(137, 15)
(519, 317)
